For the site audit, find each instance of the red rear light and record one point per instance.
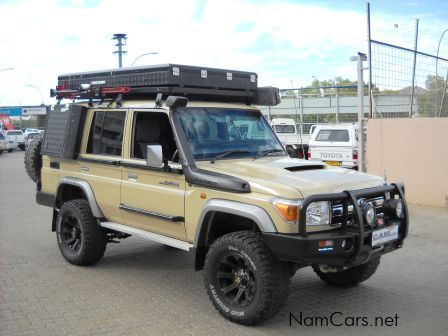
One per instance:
(309, 154)
(118, 89)
(355, 154)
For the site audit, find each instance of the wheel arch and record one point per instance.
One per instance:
(218, 212)
(70, 188)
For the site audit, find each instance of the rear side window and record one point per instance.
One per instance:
(2, 137)
(106, 133)
(333, 136)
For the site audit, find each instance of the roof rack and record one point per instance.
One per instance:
(200, 83)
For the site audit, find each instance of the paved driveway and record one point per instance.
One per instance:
(141, 288)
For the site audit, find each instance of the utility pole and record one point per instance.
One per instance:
(361, 141)
(121, 41)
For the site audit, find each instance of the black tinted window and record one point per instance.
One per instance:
(106, 133)
(2, 137)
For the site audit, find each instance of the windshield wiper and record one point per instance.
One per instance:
(266, 152)
(224, 154)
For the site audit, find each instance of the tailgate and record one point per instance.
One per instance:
(332, 153)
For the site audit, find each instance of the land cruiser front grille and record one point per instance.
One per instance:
(338, 212)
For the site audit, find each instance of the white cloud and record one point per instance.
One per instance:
(282, 41)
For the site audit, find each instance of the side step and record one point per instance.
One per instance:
(180, 244)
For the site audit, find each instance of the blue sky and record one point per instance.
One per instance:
(285, 42)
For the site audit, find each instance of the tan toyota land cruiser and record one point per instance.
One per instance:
(181, 156)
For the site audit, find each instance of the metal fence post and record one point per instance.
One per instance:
(361, 157)
(413, 68)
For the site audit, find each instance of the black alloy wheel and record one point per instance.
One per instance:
(71, 233)
(236, 280)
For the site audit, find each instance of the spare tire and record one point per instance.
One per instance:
(33, 159)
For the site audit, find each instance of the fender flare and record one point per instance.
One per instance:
(253, 212)
(86, 188)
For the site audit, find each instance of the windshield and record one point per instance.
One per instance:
(214, 131)
(333, 136)
(284, 128)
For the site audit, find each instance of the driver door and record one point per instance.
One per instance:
(152, 199)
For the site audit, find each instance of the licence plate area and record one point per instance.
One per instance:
(385, 235)
(333, 163)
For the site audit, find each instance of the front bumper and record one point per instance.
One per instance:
(351, 244)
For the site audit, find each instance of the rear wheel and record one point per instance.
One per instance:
(350, 277)
(10, 150)
(80, 239)
(244, 281)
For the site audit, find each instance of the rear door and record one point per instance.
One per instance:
(101, 157)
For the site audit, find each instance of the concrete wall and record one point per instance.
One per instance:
(414, 151)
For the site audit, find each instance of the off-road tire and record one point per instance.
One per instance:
(270, 284)
(92, 239)
(352, 276)
(33, 159)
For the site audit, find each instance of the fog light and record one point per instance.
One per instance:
(394, 207)
(347, 244)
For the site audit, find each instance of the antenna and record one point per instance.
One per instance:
(121, 41)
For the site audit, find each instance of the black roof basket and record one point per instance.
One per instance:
(198, 83)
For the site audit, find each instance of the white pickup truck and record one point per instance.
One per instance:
(296, 143)
(15, 136)
(335, 145)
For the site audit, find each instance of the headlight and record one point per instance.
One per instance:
(368, 210)
(288, 210)
(318, 213)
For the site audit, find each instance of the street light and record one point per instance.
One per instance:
(151, 53)
(40, 92)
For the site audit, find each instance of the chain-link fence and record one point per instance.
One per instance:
(407, 83)
(317, 105)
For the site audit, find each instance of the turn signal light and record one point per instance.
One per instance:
(289, 212)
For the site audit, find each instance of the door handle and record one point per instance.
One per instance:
(132, 176)
(84, 168)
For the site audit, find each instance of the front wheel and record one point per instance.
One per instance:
(350, 277)
(80, 239)
(244, 281)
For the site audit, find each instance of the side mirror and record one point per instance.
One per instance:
(154, 156)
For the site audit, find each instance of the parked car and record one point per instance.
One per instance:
(3, 144)
(296, 144)
(30, 130)
(336, 145)
(7, 144)
(29, 137)
(15, 136)
(212, 179)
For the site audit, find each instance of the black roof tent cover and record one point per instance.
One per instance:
(200, 83)
(166, 75)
